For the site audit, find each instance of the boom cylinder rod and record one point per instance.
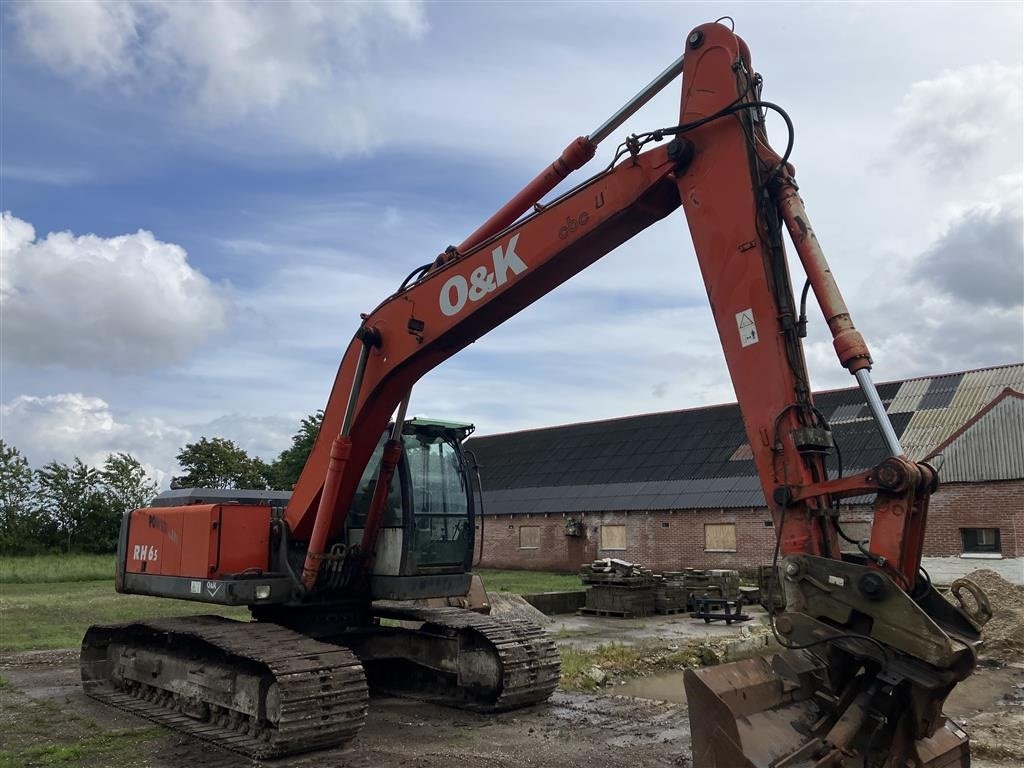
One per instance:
(573, 157)
(849, 344)
(396, 431)
(604, 130)
(353, 395)
(867, 386)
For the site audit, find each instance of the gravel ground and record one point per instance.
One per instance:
(570, 731)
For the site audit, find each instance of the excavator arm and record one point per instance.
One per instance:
(894, 647)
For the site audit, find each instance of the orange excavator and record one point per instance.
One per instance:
(383, 513)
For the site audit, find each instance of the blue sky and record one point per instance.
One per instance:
(236, 182)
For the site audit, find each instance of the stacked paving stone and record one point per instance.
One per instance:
(670, 593)
(716, 583)
(618, 588)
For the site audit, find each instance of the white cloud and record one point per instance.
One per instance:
(83, 39)
(246, 57)
(125, 303)
(604, 345)
(961, 116)
(263, 436)
(298, 68)
(979, 259)
(956, 304)
(63, 426)
(60, 427)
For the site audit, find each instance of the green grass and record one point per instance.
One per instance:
(38, 733)
(41, 616)
(40, 569)
(95, 750)
(528, 582)
(48, 601)
(619, 661)
(47, 569)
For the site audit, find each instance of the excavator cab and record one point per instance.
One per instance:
(427, 524)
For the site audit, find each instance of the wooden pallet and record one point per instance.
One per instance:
(611, 614)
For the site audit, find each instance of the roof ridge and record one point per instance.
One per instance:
(733, 403)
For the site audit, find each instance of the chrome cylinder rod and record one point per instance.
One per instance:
(867, 386)
(353, 395)
(612, 123)
(396, 431)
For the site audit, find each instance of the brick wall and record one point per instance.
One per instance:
(674, 540)
(662, 541)
(996, 504)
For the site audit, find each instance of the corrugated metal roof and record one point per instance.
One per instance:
(698, 458)
(990, 447)
(701, 493)
(909, 396)
(970, 392)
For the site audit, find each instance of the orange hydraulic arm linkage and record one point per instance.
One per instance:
(737, 194)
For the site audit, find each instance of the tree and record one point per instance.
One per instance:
(71, 496)
(219, 463)
(16, 489)
(25, 528)
(72, 507)
(285, 470)
(126, 484)
(123, 486)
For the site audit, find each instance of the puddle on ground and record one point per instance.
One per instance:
(663, 687)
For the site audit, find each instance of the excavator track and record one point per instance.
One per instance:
(254, 688)
(528, 659)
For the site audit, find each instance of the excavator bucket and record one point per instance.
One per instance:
(778, 712)
(750, 713)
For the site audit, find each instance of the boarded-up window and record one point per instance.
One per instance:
(720, 537)
(613, 537)
(529, 536)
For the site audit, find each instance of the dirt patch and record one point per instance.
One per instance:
(998, 735)
(1004, 634)
(27, 659)
(572, 730)
(569, 731)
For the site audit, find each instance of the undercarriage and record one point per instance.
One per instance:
(265, 691)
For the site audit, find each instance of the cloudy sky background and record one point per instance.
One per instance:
(200, 199)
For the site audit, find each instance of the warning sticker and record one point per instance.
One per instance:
(748, 330)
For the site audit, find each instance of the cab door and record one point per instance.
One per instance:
(441, 530)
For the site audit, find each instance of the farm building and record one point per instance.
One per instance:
(678, 489)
